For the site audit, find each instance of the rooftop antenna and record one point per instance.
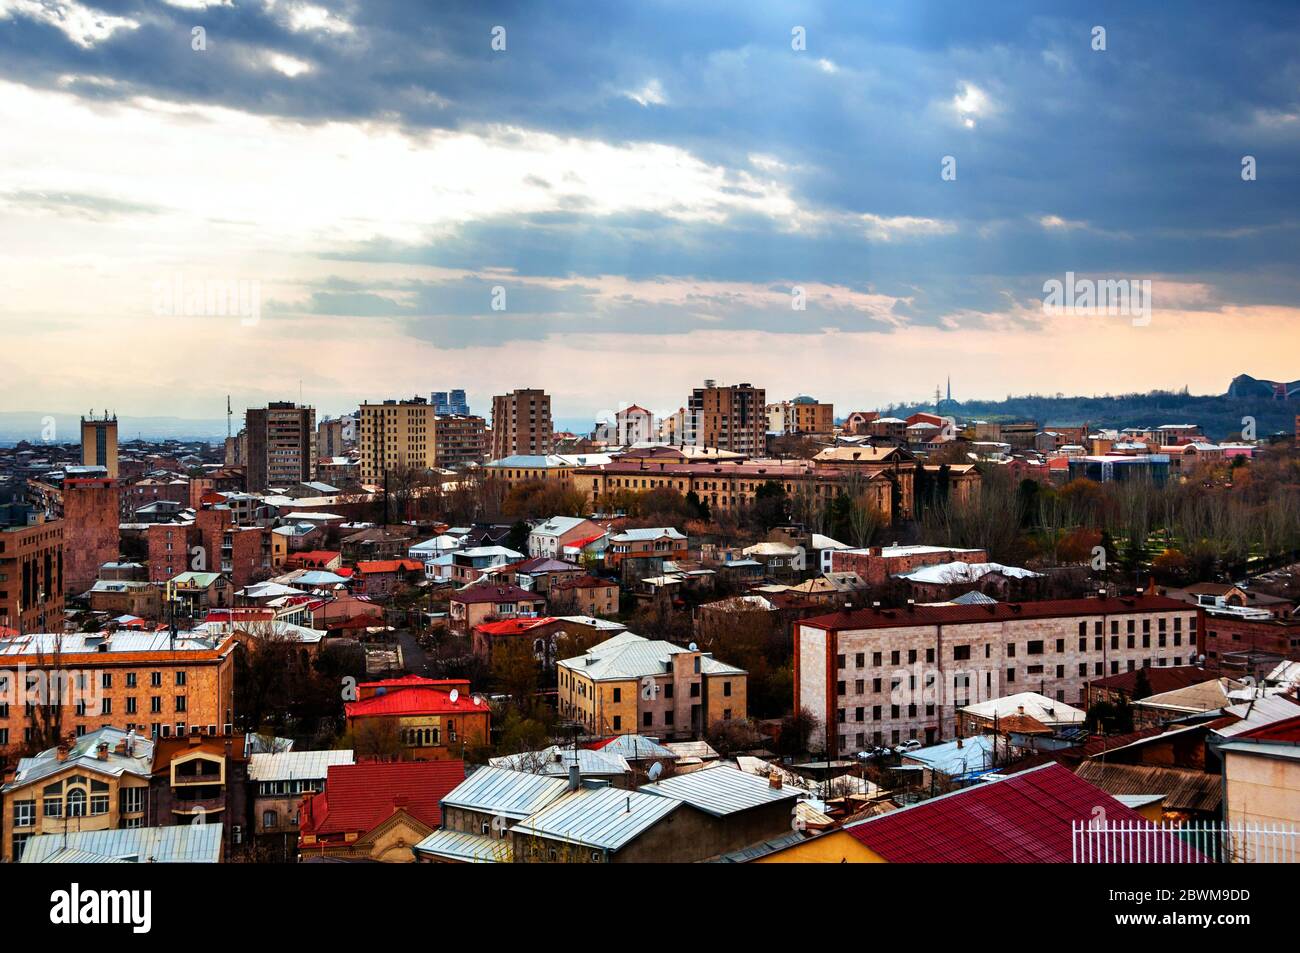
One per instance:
(229, 413)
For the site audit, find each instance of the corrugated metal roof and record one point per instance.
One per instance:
(603, 818)
(721, 790)
(83, 754)
(505, 792)
(182, 843)
(465, 848)
(628, 655)
(1183, 790)
(555, 761)
(1257, 713)
(296, 765)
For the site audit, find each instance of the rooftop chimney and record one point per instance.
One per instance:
(61, 752)
(575, 776)
(774, 781)
(101, 751)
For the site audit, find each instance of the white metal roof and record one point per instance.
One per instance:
(721, 790)
(604, 818)
(505, 792)
(296, 765)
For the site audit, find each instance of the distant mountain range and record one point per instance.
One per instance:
(1220, 416)
(32, 426)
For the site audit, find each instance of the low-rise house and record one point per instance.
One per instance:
(1207, 696)
(197, 592)
(99, 782)
(376, 811)
(663, 542)
(123, 597)
(539, 632)
(468, 564)
(629, 683)
(202, 779)
(551, 537)
(381, 578)
(1261, 774)
(484, 601)
(1126, 687)
(432, 720)
(186, 844)
(478, 814)
(585, 595)
(1018, 713)
(1025, 818)
(280, 780)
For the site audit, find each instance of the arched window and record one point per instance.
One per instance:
(76, 803)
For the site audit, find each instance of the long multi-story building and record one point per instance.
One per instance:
(152, 682)
(521, 424)
(281, 445)
(727, 485)
(31, 569)
(99, 443)
(881, 676)
(727, 418)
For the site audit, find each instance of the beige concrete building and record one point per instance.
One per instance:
(99, 443)
(883, 676)
(632, 684)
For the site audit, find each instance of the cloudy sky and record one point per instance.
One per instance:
(645, 190)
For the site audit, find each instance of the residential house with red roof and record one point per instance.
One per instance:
(382, 577)
(428, 719)
(376, 811)
(486, 601)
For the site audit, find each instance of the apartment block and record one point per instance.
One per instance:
(728, 418)
(521, 424)
(459, 440)
(152, 682)
(31, 569)
(395, 435)
(90, 530)
(99, 443)
(881, 676)
(803, 415)
(281, 445)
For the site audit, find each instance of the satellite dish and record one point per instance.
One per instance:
(694, 647)
(478, 699)
(455, 695)
(656, 769)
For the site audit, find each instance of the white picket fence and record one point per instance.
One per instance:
(1193, 843)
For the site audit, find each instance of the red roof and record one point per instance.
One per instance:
(358, 797)
(413, 701)
(585, 541)
(491, 592)
(1023, 819)
(417, 681)
(390, 565)
(317, 557)
(1287, 730)
(513, 626)
(875, 618)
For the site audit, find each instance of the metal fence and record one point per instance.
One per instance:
(1192, 843)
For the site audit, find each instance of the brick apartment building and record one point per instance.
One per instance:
(142, 680)
(728, 418)
(521, 424)
(90, 530)
(212, 543)
(881, 676)
(1235, 642)
(31, 569)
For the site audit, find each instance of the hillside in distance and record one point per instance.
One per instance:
(1219, 415)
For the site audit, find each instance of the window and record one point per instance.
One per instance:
(618, 694)
(961, 653)
(99, 804)
(180, 678)
(132, 800)
(648, 719)
(1034, 648)
(24, 813)
(76, 803)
